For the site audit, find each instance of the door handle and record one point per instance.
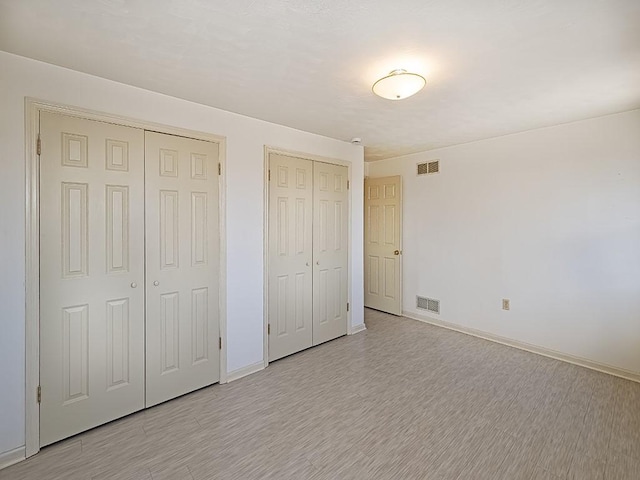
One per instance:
(134, 284)
(156, 283)
(396, 252)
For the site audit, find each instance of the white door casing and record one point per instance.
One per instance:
(91, 274)
(330, 251)
(182, 265)
(290, 255)
(383, 244)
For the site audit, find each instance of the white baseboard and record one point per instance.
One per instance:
(361, 327)
(565, 357)
(244, 371)
(12, 456)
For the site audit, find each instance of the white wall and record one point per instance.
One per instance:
(246, 138)
(549, 219)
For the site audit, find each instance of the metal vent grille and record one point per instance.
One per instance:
(429, 168)
(429, 304)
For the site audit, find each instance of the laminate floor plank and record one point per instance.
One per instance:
(402, 400)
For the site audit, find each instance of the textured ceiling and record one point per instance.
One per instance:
(493, 67)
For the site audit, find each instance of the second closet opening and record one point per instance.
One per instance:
(307, 253)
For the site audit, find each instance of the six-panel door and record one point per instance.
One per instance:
(308, 253)
(290, 255)
(182, 265)
(383, 244)
(330, 251)
(91, 274)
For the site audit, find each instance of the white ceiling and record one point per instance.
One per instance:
(493, 67)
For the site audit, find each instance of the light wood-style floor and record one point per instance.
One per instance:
(403, 400)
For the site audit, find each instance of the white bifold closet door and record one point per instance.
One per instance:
(330, 251)
(129, 269)
(182, 265)
(290, 255)
(308, 253)
(91, 274)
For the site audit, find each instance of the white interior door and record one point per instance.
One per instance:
(330, 251)
(290, 255)
(182, 266)
(383, 244)
(91, 274)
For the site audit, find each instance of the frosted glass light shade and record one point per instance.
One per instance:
(399, 84)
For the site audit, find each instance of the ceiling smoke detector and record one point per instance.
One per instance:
(399, 84)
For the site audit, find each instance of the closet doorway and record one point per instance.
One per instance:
(129, 270)
(307, 253)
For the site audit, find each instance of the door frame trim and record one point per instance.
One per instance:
(268, 150)
(33, 107)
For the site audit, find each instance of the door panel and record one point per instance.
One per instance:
(330, 252)
(91, 274)
(290, 255)
(182, 266)
(383, 244)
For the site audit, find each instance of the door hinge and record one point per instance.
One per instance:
(348, 184)
(38, 145)
(219, 169)
(220, 343)
(269, 175)
(39, 394)
(268, 329)
(347, 306)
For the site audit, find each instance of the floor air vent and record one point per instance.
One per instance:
(428, 304)
(429, 168)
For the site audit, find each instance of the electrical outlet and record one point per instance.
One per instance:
(505, 304)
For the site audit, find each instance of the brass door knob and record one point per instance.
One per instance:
(396, 252)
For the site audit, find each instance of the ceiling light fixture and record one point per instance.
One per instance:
(399, 84)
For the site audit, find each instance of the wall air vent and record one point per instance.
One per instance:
(429, 168)
(428, 304)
